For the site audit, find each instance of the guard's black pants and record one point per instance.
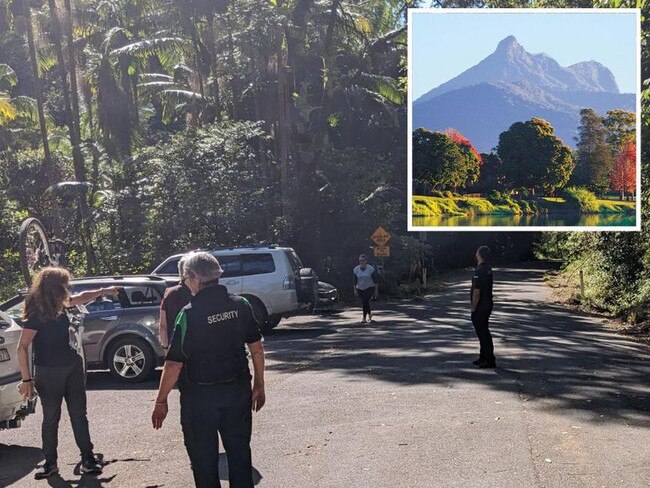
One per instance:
(480, 319)
(53, 384)
(208, 411)
(365, 296)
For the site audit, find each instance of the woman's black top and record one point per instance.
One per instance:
(52, 341)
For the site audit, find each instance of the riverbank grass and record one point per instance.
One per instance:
(425, 206)
(431, 206)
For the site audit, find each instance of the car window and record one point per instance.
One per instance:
(170, 267)
(140, 296)
(16, 310)
(103, 304)
(295, 261)
(231, 265)
(253, 264)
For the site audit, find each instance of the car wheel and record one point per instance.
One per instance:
(131, 360)
(274, 320)
(260, 313)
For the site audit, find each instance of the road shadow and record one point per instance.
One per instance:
(309, 332)
(85, 481)
(543, 350)
(223, 470)
(17, 462)
(103, 380)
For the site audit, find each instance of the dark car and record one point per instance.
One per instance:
(120, 333)
(327, 296)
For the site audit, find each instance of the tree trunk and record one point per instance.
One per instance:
(77, 156)
(50, 170)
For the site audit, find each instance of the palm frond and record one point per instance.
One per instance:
(7, 77)
(385, 86)
(111, 37)
(27, 108)
(8, 110)
(183, 95)
(151, 46)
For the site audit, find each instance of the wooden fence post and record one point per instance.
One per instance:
(582, 284)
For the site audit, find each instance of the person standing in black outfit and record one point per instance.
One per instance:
(481, 300)
(59, 369)
(207, 357)
(175, 298)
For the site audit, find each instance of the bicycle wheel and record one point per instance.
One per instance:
(34, 248)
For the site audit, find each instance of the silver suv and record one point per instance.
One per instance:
(120, 333)
(273, 279)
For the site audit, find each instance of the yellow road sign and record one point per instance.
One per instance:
(380, 236)
(381, 251)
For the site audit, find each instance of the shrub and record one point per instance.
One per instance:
(448, 194)
(437, 193)
(581, 198)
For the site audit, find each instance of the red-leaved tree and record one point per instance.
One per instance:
(623, 176)
(461, 140)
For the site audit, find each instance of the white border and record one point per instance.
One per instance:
(523, 228)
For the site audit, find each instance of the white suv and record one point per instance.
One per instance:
(12, 406)
(273, 280)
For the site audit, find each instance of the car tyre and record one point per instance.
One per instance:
(274, 320)
(131, 360)
(261, 314)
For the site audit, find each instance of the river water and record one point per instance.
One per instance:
(573, 220)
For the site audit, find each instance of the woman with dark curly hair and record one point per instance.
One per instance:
(59, 369)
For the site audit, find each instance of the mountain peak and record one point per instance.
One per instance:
(509, 44)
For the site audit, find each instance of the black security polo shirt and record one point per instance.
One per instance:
(482, 280)
(210, 336)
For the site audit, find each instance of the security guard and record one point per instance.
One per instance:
(208, 359)
(481, 299)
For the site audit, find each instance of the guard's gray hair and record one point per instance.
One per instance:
(181, 264)
(203, 265)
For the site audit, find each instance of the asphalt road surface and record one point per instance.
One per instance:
(398, 404)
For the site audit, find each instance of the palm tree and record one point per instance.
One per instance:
(50, 170)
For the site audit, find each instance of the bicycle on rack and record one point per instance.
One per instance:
(36, 251)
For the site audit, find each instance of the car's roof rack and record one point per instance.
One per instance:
(120, 277)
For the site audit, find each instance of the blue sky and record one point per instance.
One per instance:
(445, 45)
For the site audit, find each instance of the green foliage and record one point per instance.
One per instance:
(594, 156)
(441, 163)
(582, 199)
(197, 178)
(533, 157)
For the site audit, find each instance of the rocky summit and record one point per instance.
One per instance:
(513, 85)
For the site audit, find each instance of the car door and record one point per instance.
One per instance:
(232, 273)
(104, 314)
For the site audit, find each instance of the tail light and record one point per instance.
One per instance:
(289, 283)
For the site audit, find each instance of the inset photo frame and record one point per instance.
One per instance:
(524, 119)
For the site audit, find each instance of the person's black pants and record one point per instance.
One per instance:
(480, 320)
(365, 296)
(53, 384)
(208, 411)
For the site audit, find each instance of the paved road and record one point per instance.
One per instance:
(399, 404)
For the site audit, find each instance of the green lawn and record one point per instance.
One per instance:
(465, 206)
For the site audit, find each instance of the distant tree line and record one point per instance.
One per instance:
(530, 157)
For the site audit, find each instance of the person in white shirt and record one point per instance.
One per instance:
(365, 285)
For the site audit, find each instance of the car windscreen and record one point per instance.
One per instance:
(169, 268)
(15, 309)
